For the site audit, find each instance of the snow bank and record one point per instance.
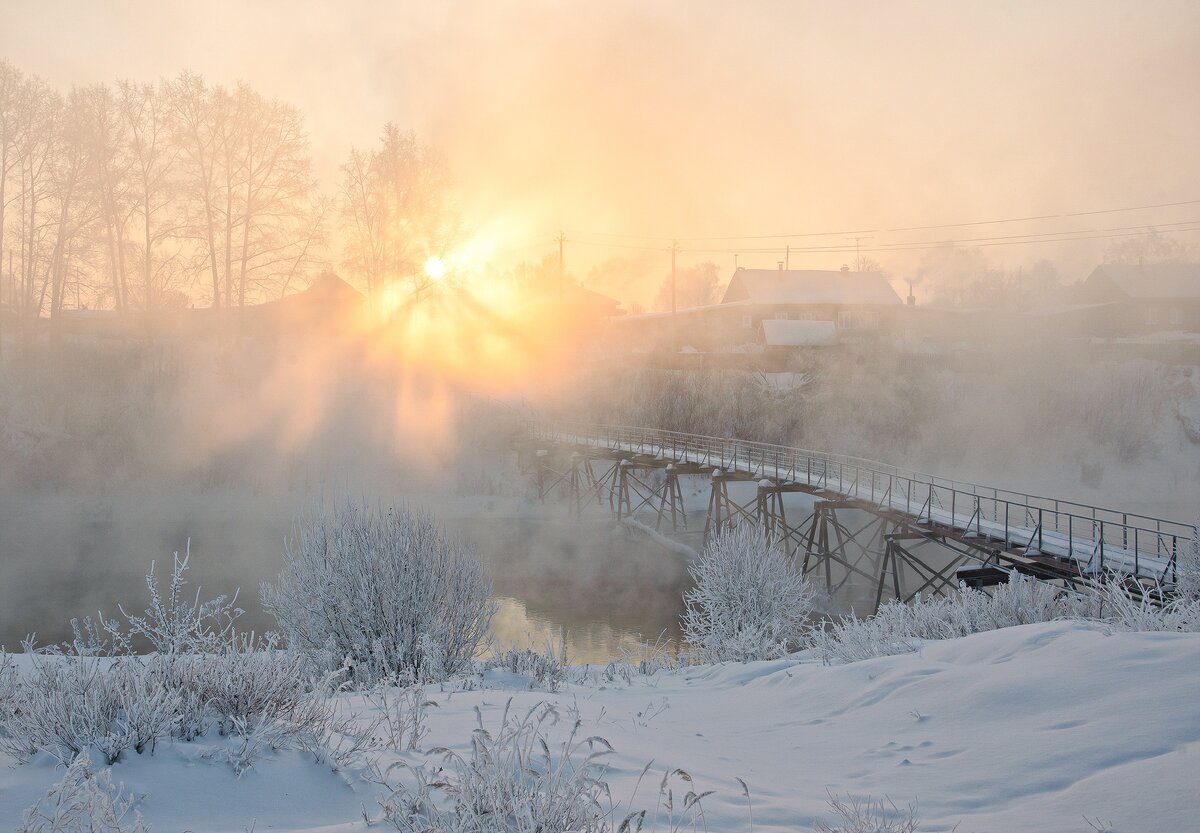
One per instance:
(1021, 729)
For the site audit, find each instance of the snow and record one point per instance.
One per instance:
(1022, 729)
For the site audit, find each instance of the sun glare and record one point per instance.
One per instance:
(435, 268)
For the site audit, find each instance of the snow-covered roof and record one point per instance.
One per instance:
(810, 286)
(1152, 280)
(778, 332)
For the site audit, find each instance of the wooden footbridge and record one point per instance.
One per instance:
(846, 519)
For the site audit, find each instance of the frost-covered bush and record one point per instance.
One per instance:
(171, 623)
(1187, 584)
(84, 802)
(8, 686)
(384, 591)
(93, 692)
(401, 714)
(510, 782)
(1123, 611)
(749, 601)
(869, 815)
(242, 685)
(898, 628)
(174, 625)
(548, 669)
(65, 705)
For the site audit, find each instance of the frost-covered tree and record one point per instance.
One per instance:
(749, 602)
(385, 591)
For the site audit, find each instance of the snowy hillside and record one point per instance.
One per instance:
(1030, 728)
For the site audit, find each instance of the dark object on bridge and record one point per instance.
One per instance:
(979, 577)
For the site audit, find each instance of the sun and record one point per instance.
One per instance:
(435, 268)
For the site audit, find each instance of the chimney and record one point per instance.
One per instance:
(780, 262)
(912, 301)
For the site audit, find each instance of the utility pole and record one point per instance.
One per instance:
(562, 271)
(787, 257)
(674, 249)
(858, 261)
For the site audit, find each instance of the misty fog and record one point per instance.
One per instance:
(480, 209)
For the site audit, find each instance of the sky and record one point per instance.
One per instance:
(626, 124)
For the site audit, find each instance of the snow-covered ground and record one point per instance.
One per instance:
(1030, 728)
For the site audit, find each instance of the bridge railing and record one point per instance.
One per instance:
(1097, 538)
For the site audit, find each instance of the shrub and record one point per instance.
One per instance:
(72, 698)
(510, 781)
(898, 628)
(170, 625)
(382, 591)
(1119, 608)
(84, 802)
(401, 715)
(1187, 585)
(548, 669)
(749, 602)
(869, 815)
(66, 705)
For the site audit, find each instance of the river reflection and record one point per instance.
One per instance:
(606, 588)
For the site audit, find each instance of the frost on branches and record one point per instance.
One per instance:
(382, 592)
(749, 603)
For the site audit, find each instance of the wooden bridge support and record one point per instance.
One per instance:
(723, 511)
(772, 516)
(575, 475)
(830, 543)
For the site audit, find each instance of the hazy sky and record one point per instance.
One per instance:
(706, 118)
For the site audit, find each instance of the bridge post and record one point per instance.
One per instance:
(673, 496)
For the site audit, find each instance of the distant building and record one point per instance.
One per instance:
(759, 303)
(1138, 299)
(851, 300)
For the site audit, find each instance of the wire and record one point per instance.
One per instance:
(919, 246)
(903, 228)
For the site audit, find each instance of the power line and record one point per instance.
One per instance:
(898, 247)
(846, 232)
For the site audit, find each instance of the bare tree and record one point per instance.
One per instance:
(247, 178)
(199, 116)
(11, 83)
(39, 114)
(396, 210)
(76, 205)
(154, 163)
(695, 286)
(1152, 247)
(110, 168)
(267, 156)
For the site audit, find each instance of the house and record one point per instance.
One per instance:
(1121, 300)
(852, 301)
(328, 305)
(759, 303)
